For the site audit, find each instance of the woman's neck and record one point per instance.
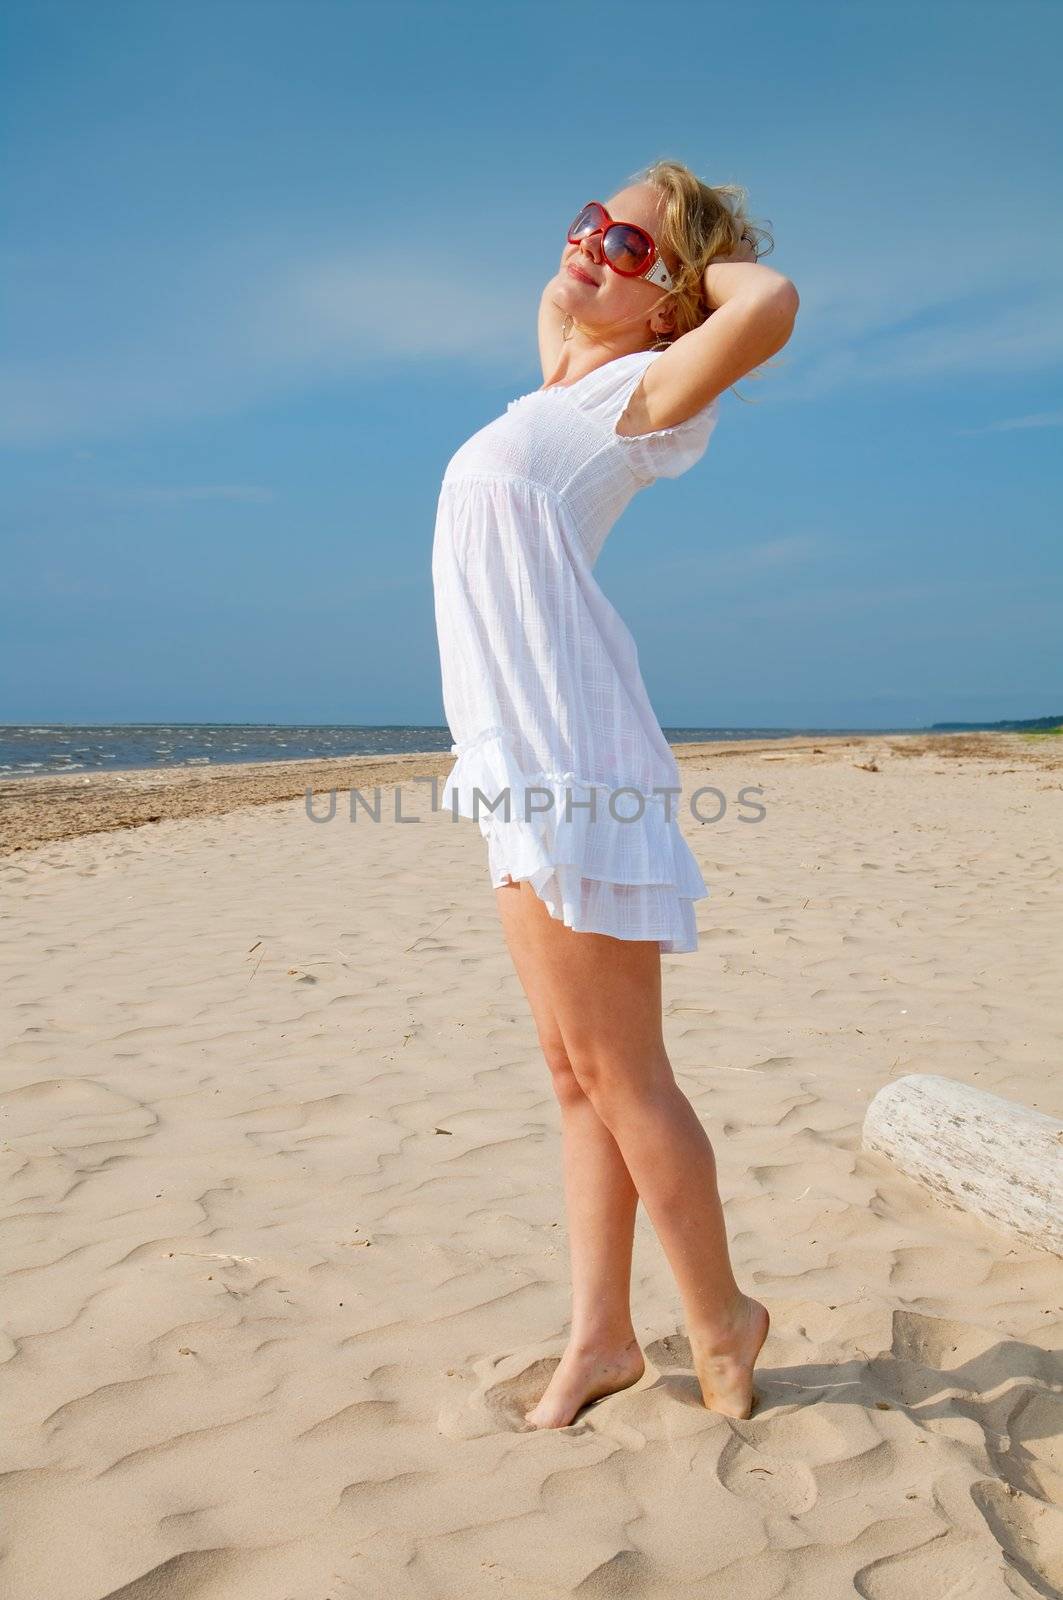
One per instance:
(581, 357)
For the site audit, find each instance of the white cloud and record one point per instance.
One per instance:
(335, 313)
(846, 345)
(740, 560)
(231, 333)
(177, 494)
(1038, 419)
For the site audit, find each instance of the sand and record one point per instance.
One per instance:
(284, 1251)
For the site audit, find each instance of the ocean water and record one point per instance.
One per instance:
(38, 749)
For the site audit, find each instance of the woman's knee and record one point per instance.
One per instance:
(566, 1084)
(615, 1078)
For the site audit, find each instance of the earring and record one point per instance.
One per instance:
(566, 327)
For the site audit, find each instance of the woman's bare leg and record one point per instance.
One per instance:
(603, 996)
(602, 1354)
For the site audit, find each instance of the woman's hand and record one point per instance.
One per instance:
(746, 251)
(737, 273)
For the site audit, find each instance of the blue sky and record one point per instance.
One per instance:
(266, 265)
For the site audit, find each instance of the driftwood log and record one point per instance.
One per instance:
(998, 1160)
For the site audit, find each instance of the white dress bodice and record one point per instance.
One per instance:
(540, 676)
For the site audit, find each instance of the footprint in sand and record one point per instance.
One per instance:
(503, 1389)
(1029, 1532)
(787, 1487)
(946, 1373)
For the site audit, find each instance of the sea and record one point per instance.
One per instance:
(42, 748)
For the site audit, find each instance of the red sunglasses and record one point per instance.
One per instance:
(626, 247)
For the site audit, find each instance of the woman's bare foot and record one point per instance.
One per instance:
(585, 1373)
(725, 1355)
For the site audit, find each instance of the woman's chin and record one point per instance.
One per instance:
(571, 295)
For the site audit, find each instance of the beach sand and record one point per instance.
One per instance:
(284, 1253)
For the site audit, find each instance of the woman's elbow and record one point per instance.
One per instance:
(786, 298)
(783, 312)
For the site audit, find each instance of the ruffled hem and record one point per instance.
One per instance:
(595, 871)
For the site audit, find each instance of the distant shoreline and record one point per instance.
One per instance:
(41, 810)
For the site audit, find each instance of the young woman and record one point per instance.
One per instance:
(658, 306)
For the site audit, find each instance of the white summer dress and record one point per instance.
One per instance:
(541, 683)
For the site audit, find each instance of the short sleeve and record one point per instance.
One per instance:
(669, 452)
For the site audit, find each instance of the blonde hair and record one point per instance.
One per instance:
(701, 221)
